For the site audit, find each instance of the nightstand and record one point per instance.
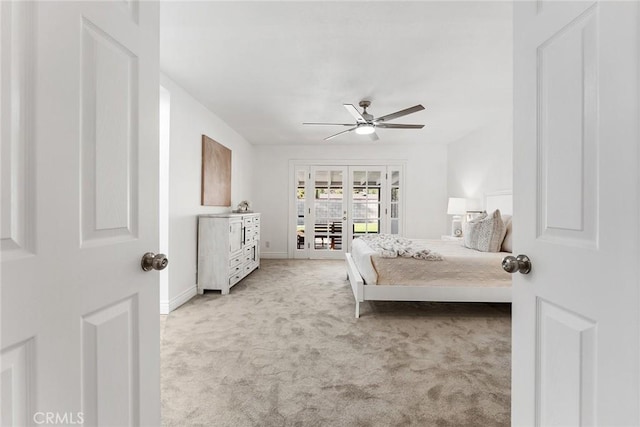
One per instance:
(451, 238)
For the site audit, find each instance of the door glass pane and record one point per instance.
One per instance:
(373, 178)
(301, 178)
(395, 178)
(394, 214)
(394, 210)
(373, 194)
(359, 178)
(335, 235)
(373, 226)
(366, 206)
(336, 179)
(373, 210)
(328, 210)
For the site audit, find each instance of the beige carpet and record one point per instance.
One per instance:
(284, 349)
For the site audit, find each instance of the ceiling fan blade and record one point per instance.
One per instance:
(330, 124)
(339, 133)
(374, 136)
(355, 113)
(398, 126)
(400, 113)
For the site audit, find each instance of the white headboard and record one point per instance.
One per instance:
(502, 200)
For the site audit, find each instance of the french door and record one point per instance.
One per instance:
(375, 199)
(367, 200)
(336, 203)
(322, 212)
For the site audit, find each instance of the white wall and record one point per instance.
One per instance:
(425, 185)
(189, 121)
(481, 162)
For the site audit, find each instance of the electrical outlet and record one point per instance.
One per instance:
(267, 244)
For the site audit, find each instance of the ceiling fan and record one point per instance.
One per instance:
(366, 124)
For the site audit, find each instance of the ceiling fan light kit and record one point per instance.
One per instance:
(366, 124)
(365, 129)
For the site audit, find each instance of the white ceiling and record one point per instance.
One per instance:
(265, 67)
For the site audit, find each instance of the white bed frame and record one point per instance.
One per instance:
(498, 200)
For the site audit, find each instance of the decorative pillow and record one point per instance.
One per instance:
(485, 233)
(506, 243)
(468, 226)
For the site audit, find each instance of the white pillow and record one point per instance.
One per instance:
(506, 243)
(485, 233)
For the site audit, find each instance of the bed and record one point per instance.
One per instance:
(463, 275)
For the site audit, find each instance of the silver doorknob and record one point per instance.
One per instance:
(151, 261)
(512, 264)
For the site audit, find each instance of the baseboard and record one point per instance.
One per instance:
(167, 307)
(164, 307)
(274, 255)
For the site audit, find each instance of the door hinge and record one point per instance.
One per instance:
(309, 175)
(309, 211)
(308, 245)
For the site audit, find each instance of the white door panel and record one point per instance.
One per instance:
(575, 316)
(16, 104)
(368, 201)
(302, 209)
(80, 151)
(327, 219)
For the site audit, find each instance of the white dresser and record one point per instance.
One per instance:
(228, 249)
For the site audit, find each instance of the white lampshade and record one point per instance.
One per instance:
(365, 129)
(457, 206)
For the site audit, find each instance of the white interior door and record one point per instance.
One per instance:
(575, 316)
(80, 324)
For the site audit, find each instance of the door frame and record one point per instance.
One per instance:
(292, 188)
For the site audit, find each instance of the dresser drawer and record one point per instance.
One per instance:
(251, 220)
(236, 269)
(235, 278)
(237, 259)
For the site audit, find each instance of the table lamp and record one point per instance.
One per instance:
(457, 207)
